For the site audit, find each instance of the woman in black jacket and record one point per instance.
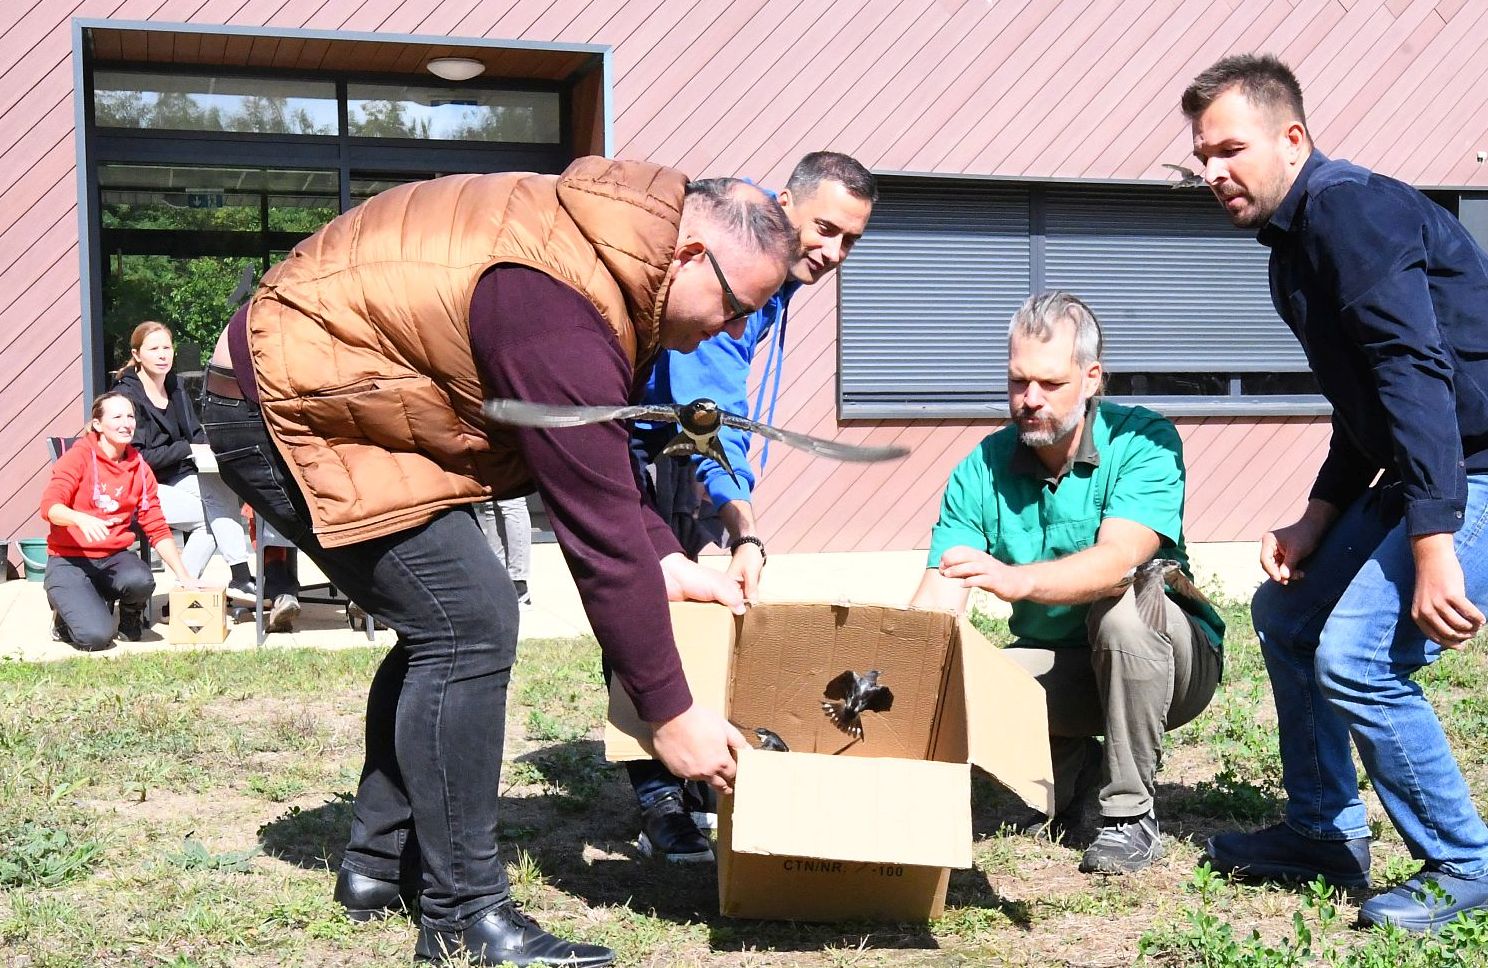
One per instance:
(166, 427)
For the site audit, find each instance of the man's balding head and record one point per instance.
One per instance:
(734, 246)
(737, 214)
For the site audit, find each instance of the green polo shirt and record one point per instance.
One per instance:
(1003, 501)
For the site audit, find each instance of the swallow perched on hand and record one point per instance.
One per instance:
(700, 421)
(1149, 582)
(850, 695)
(770, 740)
(1188, 178)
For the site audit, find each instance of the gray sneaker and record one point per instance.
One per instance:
(282, 615)
(1124, 845)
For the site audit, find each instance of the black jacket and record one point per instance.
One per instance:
(166, 448)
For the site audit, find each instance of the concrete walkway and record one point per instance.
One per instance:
(887, 577)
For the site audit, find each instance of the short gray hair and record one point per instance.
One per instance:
(1041, 312)
(748, 215)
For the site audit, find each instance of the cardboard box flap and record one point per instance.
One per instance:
(871, 810)
(1000, 700)
(705, 637)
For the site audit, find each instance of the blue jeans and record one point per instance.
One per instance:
(1341, 647)
(430, 791)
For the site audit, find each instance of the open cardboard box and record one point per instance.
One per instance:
(842, 829)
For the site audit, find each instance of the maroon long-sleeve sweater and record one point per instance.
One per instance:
(535, 338)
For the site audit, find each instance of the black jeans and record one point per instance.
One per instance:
(436, 712)
(82, 591)
(673, 493)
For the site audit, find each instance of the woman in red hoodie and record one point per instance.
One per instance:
(97, 489)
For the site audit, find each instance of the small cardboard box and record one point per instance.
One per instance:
(838, 828)
(198, 616)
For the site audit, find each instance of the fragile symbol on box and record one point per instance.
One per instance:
(198, 616)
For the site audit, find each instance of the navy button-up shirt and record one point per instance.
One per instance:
(1388, 295)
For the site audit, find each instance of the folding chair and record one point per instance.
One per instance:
(267, 537)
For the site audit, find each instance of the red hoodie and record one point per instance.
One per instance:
(88, 480)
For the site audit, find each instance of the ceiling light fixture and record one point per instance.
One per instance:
(456, 68)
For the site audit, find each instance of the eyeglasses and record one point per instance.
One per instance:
(739, 309)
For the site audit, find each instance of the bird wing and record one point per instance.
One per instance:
(841, 687)
(880, 699)
(816, 445)
(1151, 603)
(524, 413)
(1179, 582)
(1188, 178)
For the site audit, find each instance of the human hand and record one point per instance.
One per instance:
(1440, 605)
(977, 569)
(745, 567)
(94, 530)
(698, 744)
(1284, 548)
(688, 581)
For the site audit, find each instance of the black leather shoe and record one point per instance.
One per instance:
(505, 935)
(370, 899)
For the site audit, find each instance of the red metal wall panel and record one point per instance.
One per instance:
(745, 87)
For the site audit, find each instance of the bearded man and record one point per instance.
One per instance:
(1050, 513)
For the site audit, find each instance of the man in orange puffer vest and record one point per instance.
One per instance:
(344, 406)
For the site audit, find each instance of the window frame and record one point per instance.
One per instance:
(344, 153)
(994, 406)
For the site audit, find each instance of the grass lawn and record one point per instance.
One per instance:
(190, 810)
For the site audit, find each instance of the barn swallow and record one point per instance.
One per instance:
(770, 740)
(1149, 581)
(1188, 177)
(850, 695)
(700, 421)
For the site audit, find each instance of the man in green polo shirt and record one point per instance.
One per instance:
(1050, 513)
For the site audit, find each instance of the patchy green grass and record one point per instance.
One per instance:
(190, 811)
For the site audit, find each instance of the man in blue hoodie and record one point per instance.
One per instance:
(829, 198)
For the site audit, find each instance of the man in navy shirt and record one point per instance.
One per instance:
(1388, 565)
(828, 198)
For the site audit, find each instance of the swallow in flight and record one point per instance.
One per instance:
(699, 420)
(850, 695)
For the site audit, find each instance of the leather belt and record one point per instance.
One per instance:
(222, 383)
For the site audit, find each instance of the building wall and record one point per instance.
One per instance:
(1034, 88)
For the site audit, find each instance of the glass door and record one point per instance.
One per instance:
(184, 244)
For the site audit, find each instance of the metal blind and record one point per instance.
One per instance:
(1176, 286)
(926, 297)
